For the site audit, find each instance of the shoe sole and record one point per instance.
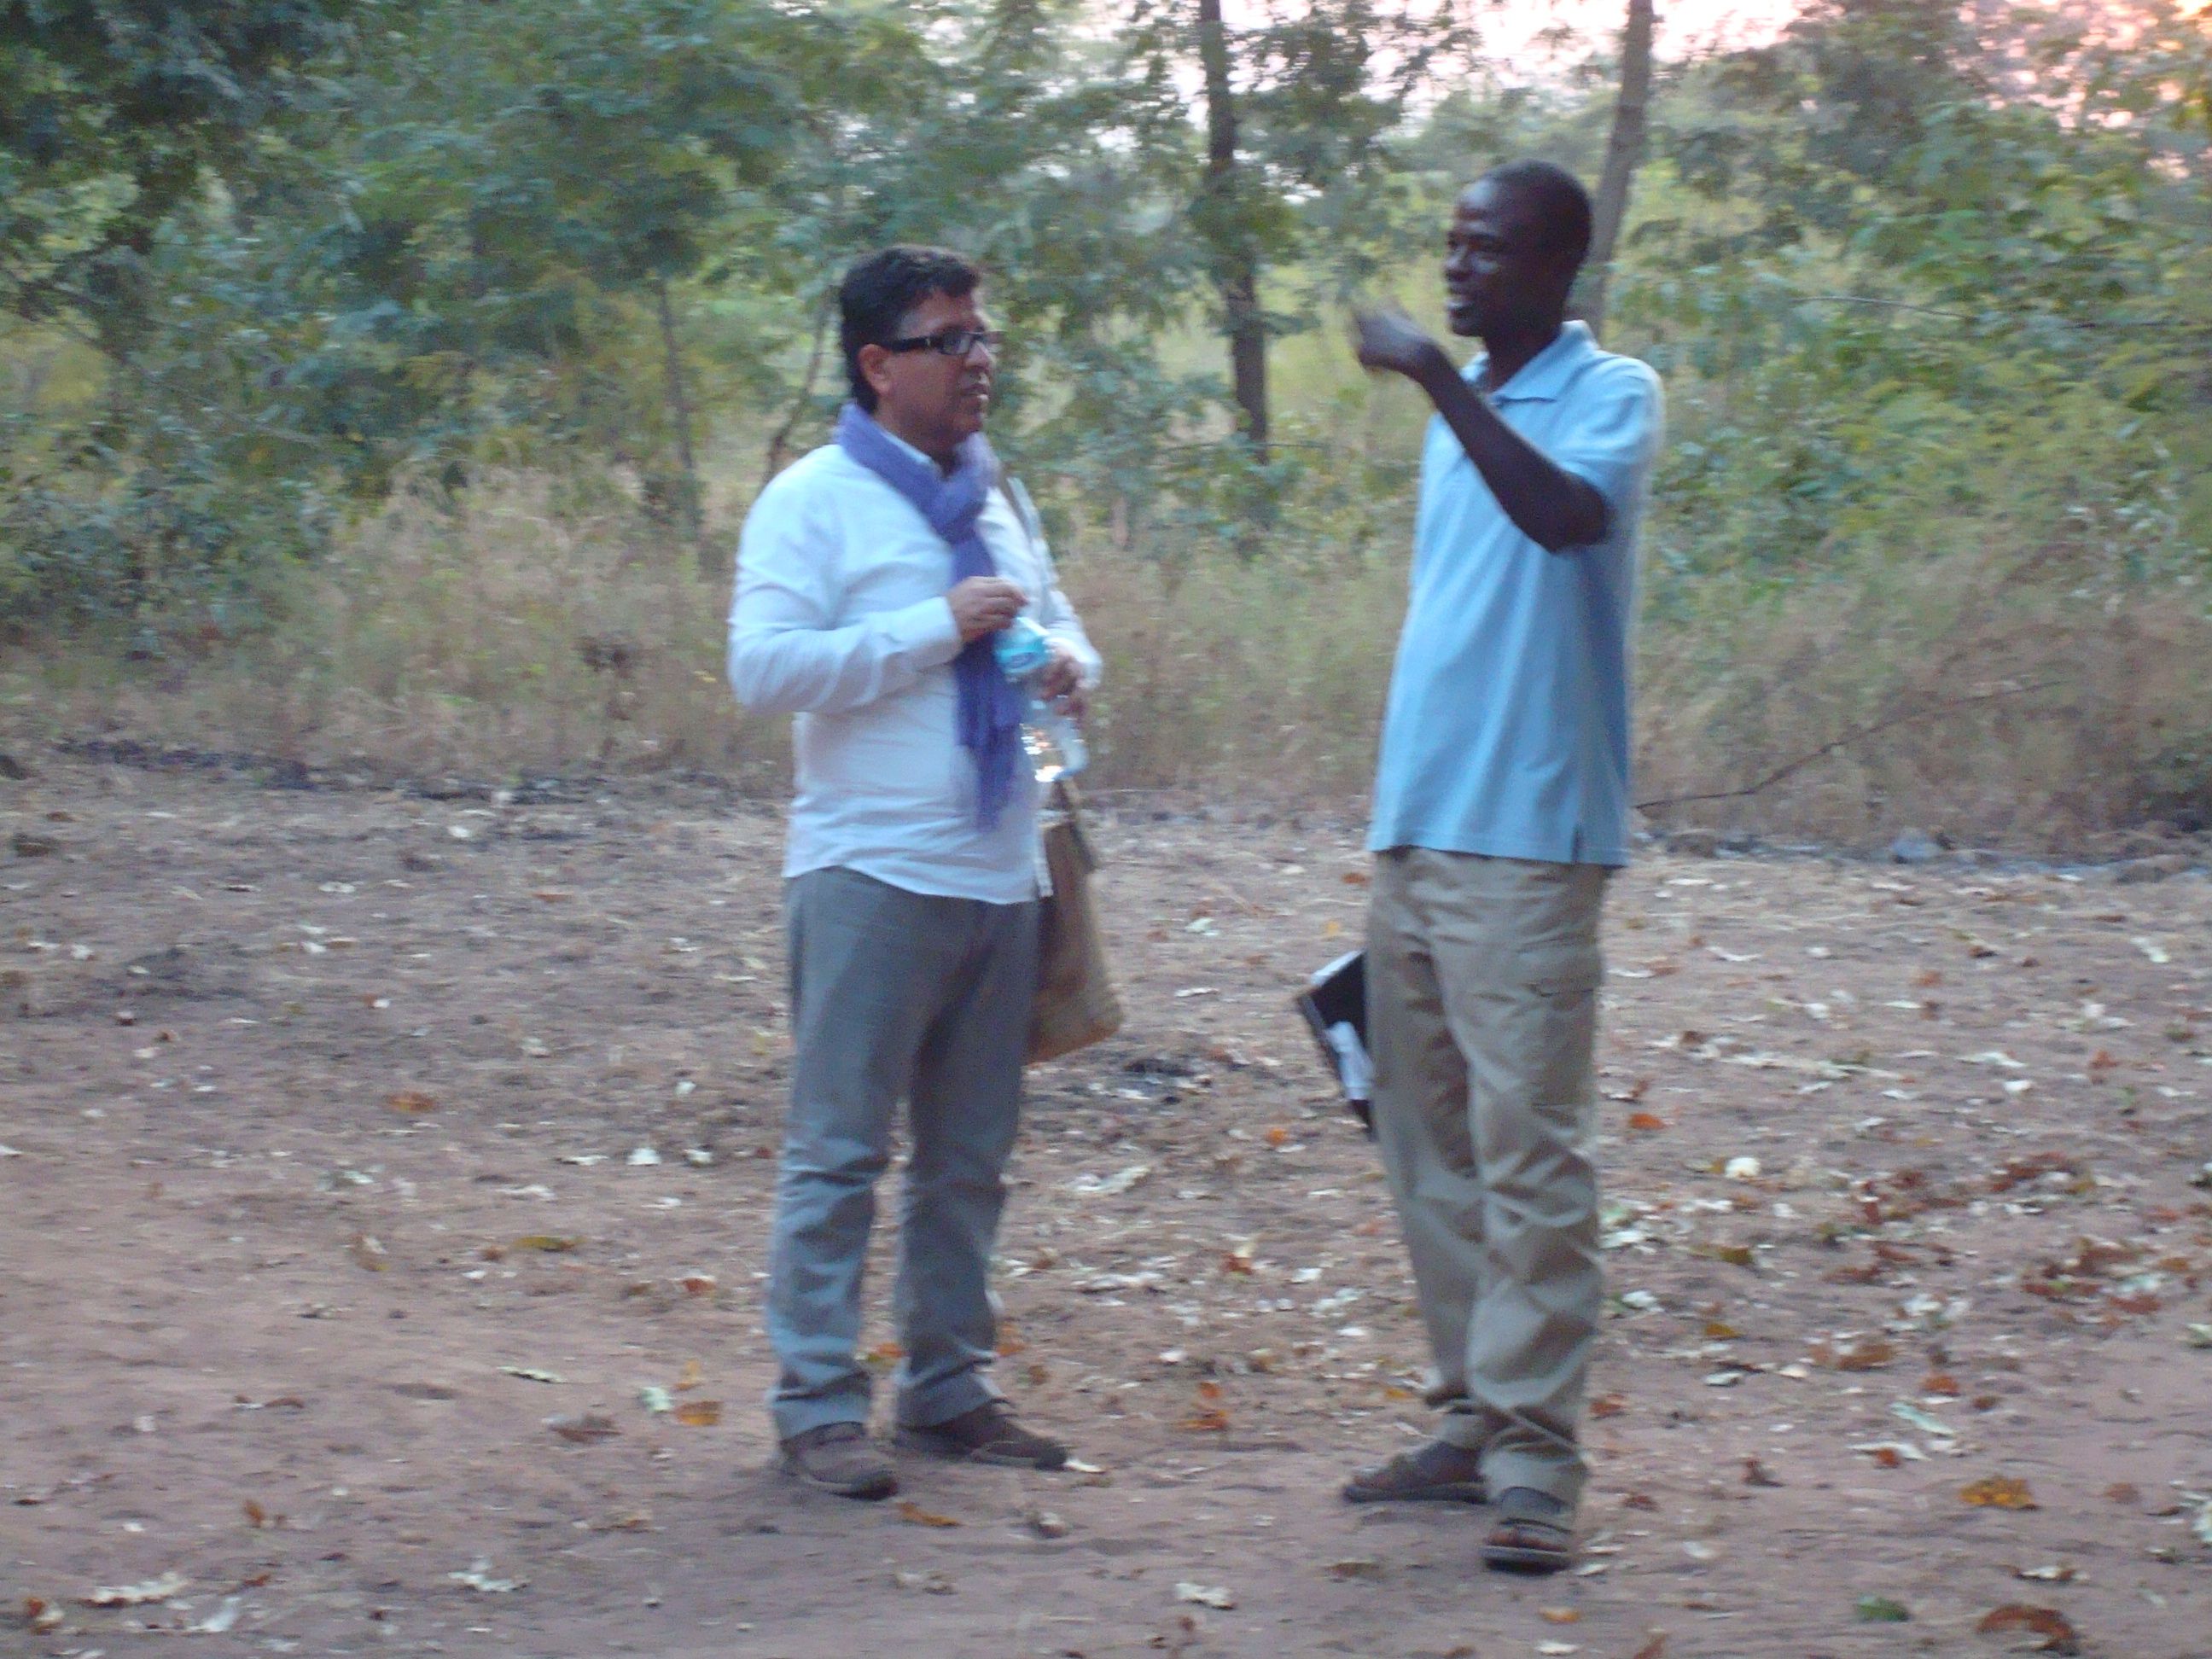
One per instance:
(1512, 1558)
(872, 1490)
(1454, 1491)
(916, 1440)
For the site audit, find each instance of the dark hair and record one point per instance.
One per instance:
(1561, 206)
(879, 291)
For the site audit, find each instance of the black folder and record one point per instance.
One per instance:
(1334, 1004)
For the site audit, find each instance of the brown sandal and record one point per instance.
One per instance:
(1534, 1533)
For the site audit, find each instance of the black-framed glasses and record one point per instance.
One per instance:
(953, 341)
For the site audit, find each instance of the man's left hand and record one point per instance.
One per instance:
(1386, 340)
(1061, 685)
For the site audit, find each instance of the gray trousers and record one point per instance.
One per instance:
(1482, 981)
(895, 995)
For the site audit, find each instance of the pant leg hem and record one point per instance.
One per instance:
(1503, 1471)
(796, 1417)
(946, 1400)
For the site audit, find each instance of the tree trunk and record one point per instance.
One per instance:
(1623, 150)
(778, 443)
(1236, 263)
(688, 513)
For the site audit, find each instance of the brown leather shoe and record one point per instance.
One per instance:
(989, 1434)
(1436, 1472)
(840, 1458)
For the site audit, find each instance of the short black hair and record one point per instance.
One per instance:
(1562, 206)
(879, 291)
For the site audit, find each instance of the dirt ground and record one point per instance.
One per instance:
(326, 1187)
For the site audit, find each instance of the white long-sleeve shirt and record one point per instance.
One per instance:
(841, 619)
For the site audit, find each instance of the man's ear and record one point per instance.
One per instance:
(875, 367)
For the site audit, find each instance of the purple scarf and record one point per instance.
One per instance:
(990, 719)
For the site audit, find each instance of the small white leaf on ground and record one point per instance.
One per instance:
(221, 1620)
(654, 1398)
(643, 1155)
(1206, 1595)
(1120, 1180)
(2152, 949)
(532, 1374)
(1557, 1648)
(478, 1578)
(133, 1595)
(929, 1584)
(1740, 1168)
(1921, 1420)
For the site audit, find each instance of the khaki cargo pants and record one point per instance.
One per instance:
(1482, 982)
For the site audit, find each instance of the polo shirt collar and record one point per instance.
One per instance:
(1544, 376)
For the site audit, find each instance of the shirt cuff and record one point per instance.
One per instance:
(926, 633)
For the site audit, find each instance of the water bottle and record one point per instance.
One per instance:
(1024, 652)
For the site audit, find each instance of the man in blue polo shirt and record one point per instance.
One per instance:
(1501, 806)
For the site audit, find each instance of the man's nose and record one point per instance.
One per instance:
(982, 349)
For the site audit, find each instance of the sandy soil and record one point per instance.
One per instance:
(323, 1193)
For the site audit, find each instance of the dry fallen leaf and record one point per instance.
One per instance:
(548, 1243)
(1206, 1595)
(1998, 1491)
(691, 1377)
(698, 1284)
(1646, 1120)
(1609, 1405)
(2058, 1635)
(1755, 1473)
(912, 1513)
(699, 1413)
(1867, 1354)
(368, 1251)
(132, 1596)
(1558, 1615)
(2121, 1492)
(1212, 1420)
(585, 1429)
(412, 1101)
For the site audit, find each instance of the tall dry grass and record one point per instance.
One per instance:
(1982, 696)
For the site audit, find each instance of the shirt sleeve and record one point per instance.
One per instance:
(1615, 438)
(789, 651)
(1053, 613)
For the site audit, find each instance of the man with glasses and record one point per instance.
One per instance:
(872, 577)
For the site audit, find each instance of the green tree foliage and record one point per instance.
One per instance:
(113, 116)
(1915, 270)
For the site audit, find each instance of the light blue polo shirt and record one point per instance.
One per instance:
(1507, 728)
